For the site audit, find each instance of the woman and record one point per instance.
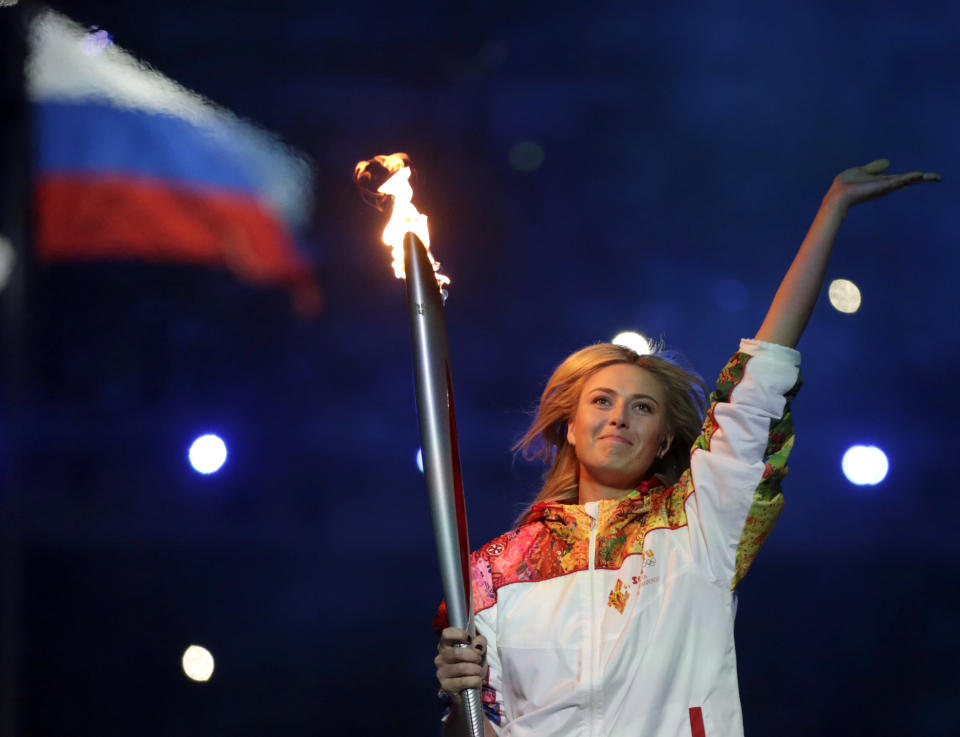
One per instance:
(609, 610)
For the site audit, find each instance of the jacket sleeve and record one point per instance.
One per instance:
(733, 495)
(492, 691)
(485, 620)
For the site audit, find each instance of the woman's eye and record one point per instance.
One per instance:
(642, 407)
(602, 401)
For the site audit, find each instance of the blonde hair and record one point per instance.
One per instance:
(685, 403)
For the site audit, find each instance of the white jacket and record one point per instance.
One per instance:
(615, 618)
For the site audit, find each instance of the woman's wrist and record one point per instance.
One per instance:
(835, 204)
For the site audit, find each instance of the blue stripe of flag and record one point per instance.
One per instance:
(102, 139)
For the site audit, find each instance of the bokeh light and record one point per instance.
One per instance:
(207, 454)
(634, 341)
(526, 156)
(865, 465)
(420, 459)
(197, 663)
(844, 295)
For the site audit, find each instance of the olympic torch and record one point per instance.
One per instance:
(406, 233)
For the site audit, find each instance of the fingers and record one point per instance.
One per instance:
(456, 637)
(449, 651)
(877, 166)
(460, 655)
(922, 176)
(459, 668)
(869, 179)
(913, 177)
(905, 180)
(453, 637)
(881, 165)
(454, 686)
(446, 671)
(862, 183)
(460, 662)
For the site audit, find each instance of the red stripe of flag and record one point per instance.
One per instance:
(84, 218)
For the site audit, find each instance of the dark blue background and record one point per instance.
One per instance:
(686, 145)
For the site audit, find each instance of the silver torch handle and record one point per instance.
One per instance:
(441, 454)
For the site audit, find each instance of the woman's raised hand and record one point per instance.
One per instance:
(794, 300)
(461, 664)
(867, 182)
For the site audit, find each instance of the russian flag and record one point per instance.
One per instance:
(130, 165)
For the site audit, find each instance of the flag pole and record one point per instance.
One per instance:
(15, 199)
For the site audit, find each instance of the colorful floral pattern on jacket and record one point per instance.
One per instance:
(768, 496)
(650, 507)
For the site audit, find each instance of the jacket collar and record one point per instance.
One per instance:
(633, 503)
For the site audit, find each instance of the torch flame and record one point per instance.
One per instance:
(405, 217)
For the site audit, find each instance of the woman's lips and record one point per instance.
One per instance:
(616, 438)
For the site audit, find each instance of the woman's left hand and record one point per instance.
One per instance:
(867, 182)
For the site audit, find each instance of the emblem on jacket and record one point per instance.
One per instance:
(621, 592)
(618, 597)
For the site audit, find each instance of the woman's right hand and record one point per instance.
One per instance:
(461, 664)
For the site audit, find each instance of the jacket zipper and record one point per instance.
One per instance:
(592, 652)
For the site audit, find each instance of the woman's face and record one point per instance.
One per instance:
(619, 425)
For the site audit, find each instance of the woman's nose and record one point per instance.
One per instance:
(618, 417)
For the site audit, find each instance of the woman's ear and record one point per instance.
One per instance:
(665, 445)
(570, 436)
